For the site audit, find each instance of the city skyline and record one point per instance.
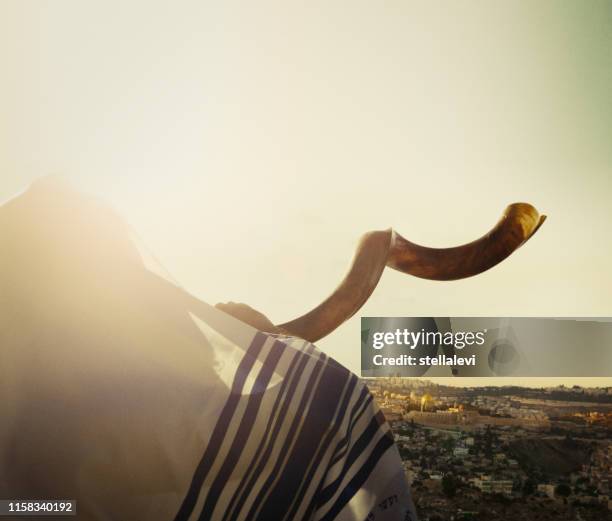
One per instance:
(521, 382)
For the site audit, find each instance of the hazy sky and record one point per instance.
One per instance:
(250, 144)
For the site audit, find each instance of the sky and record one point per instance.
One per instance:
(250, 145)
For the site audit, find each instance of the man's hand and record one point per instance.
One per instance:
(250, 316)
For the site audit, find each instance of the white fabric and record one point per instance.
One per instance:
(127, 394)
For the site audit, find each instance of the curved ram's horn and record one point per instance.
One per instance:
(387, 248)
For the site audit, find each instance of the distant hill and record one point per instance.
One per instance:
(550, 456)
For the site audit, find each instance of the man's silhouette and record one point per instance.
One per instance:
(123, 392)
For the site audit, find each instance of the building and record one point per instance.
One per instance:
(493, 486)
(460, 451)
(547, 489)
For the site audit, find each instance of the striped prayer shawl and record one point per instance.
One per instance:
(299, 437)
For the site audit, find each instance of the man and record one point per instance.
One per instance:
(125, 393)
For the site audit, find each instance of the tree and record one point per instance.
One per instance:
(449, 485)
(528, 487)
(563, 490)
(448, 444)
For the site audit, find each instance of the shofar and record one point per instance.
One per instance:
(388, 248)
